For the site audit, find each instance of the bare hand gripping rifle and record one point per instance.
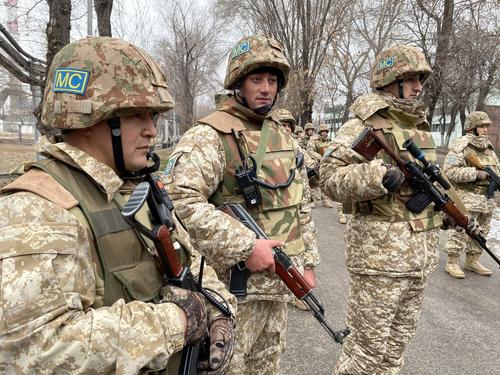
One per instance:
(494, 178)
(285, 270)
(160, 206)
(421, 179)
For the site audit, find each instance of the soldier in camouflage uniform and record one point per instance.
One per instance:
(200, 177)
(316, 147)
(309, 132)
(472, 185)
(390, 251)
(299, 133)
(81, 293)
(287, 120)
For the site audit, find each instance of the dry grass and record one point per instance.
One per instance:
(13, 153)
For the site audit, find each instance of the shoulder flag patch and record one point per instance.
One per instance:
(73, 81)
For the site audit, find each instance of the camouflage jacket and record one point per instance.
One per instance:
(317, 147)
(48, 319)
(380, 240)
(463, 175)
(193, 176)
(304, 141)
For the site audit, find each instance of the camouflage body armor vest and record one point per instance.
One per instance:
(487, 158)
(391, 207)
(278, 214)
(125, 269)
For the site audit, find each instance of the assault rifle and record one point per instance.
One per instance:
(421, 179)
(494, 178)
(160, 206)
(285, 270)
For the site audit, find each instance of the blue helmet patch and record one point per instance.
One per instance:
(72, 81)
(240, 49)
(386, 63)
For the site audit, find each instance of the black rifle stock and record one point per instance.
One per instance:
(286, 271)
(421, 179)
(494, 178)
(160, 206)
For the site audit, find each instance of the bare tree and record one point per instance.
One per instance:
(58, 27)
(375, 24)
(441, 13)
(191, 55)
(103, 10)
(305, 28)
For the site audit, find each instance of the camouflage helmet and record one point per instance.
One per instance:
(323, 128)
(285, 116)
(309, 125)
(98, 78)
(396, 62)
(298, 129)
(476, 119)
(255, 52)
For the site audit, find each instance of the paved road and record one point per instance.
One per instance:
(459, 329)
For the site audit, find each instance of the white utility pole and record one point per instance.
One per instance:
(89, 18)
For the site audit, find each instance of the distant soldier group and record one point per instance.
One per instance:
(87, 290)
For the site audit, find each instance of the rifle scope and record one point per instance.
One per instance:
(430, 169)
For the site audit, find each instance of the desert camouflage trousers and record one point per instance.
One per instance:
(382, 313)
(260, 338)
(457, 242)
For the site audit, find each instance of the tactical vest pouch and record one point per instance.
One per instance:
(141, 281)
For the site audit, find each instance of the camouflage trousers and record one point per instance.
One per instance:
(457, 242)
(260, 338)
(382, 313)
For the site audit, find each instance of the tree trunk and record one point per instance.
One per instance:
(57, 31)
(103, 10)
(443, 42)
(58, 27)
(451, 128)
(307, 100)
(485, 88)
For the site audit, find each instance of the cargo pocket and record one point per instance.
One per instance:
(30, 284)
(140, 281)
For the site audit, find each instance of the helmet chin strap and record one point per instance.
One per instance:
(401, 92)
(116, 142)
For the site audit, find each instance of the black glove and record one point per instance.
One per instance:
(393, 178)
(222, 336)
(193, 304)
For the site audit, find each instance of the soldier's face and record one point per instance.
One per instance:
(137, 133)
(287, 127)
(412, 87)
(309, 132)
(299, 134)
(323, 134)
(482, 130)
(259, 89)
